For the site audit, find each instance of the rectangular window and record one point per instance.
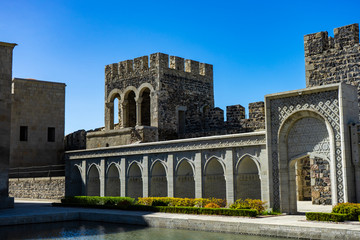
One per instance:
(181, 123)
(51, 134)
(23, 133)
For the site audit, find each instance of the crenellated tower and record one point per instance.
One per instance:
(333, 59)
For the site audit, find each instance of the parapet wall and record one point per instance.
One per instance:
(333, 59)
(134, 67)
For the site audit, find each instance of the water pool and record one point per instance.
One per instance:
(100, 230)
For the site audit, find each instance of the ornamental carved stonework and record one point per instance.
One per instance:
(326, 104)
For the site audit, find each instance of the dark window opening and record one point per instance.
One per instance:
(23, 133)
(51, 134)
(181, 123)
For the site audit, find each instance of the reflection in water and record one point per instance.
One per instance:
(98, 230)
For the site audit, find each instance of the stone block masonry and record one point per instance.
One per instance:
(37, 188)
(333, 59)
(6, 51)
(37, 123)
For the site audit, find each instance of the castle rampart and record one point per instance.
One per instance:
(333, 59)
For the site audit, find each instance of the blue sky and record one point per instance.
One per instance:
(256, 47)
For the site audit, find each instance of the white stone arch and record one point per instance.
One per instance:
(184, 184)
(91, 165)
(112, 184)
(110, 108)
(112, 95)
(287, 181)
(248, 181)
(255, 160)
(214, 182)
(144, 86)
(93, 182)
(117, 165)
(130, 165)
(213, 157)
(127, 90)
(76, 181)
(79, 167)
(158, 183)
(311, 155)
(191, 163)
(163, 163)
(134, 184)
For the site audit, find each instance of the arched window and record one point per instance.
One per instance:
(145, 108)
(130, 109)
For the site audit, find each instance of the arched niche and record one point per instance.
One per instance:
(76, 182)
(248, 183)
(112, 183)
(302, 133)
(214, 180)
(134, 181)
(93, 181)
(184, 180)
(158, 181)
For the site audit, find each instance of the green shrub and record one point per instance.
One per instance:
(159, 202)
(255, 204)
(184, 202)
(209, 211)
(95, 200)
(351, 209)
(329, 217)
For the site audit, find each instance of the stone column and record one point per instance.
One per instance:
(102, 177)
(229, 176)
(145, 176)
(84, 178)
(124, 114)
(198, 175)
(123, 182)
(138, 111)
(170, 175)
(109, 115)
(6, 52)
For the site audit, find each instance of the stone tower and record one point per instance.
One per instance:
(333, 59)
(6, 52)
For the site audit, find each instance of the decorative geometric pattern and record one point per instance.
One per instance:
(326, 104)
(218, 142)
(308, 135)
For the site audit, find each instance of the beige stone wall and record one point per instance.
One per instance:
(39, 105)
(37, 188)
(6, 50)
(123, 136)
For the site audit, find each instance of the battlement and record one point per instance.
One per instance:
(140, 65)
(346, 36)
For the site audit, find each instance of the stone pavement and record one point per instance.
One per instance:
(294, 226)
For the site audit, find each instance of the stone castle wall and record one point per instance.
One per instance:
(6, 53)
(37, 106)
(37, 188)
(333, 59)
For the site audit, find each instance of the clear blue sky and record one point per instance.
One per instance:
(256, 47)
